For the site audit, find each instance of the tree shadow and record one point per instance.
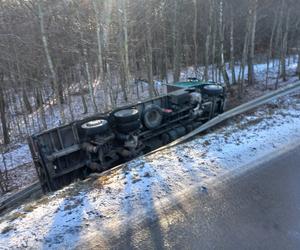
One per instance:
(66, 226)
(154, 235)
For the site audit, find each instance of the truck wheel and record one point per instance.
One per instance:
(127, 115)
(212, 90)
(189, 128)
(95, 127)
(165, 138)
(180, 131)
(152, 116)
(129, 126)
(173, 135)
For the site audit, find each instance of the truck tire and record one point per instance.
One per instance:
(152, 116)
(94, 127)
(129, 126)
(212, 90)
(180, 131)
(173, 135)
(165, 138)
(126, 115)
(189, 128)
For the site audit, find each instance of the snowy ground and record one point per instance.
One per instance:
(18, 154)
(106, 204)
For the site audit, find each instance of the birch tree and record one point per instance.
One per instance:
(221, 37)
(244, 58)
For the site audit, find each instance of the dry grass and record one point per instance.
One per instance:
(29, 208)
(7, 229)
(16, 215)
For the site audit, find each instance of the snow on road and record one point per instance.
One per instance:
(106, 204)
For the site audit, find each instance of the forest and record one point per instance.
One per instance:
(63, 59)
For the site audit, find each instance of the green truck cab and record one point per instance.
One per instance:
(191, 82)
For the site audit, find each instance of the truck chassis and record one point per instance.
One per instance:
(102, 141)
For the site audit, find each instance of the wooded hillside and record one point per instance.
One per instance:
(52, 50)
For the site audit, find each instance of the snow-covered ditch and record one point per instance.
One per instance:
(106, 204)
(18, 154)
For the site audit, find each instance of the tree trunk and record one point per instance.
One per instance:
(89, 80)
(208, 38)
(2, 114)
(165, 49)
(214, 38)
(244, 59)
(26, 101)
(100, 54)
(271, 47)
(124, 49)
(232, 46)
(279, 27)
(67, 81)
(251, 76)
(278, 41)
(40, 107)
(177, 44)
(195, 28)
(49, 60)
(221, 36)
(149, 53)
(284, 46)
(87, 67)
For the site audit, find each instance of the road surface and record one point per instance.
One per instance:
(259, 209)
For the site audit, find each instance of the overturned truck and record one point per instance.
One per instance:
(102, 141)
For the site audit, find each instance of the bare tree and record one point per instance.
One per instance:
(244, 59)
(232, 61)
(177, 44)
(124, 49)
(271, 47)
(284, 46)
(195, 33)
(221, 37)
(208, 38)
(149, 51)
(253, 9)
(3, 112)
(49, 60)
(99, 46)
(49, 55)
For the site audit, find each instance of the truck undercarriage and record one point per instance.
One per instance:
(100, 142)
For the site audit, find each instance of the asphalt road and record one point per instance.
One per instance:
(259, 209)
